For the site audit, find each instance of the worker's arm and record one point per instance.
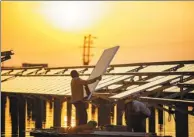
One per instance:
(87, 90)
(86, 82)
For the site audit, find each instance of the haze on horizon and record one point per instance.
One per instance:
(53, 32)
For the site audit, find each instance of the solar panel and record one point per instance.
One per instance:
(54, 71)
(172, 89)
(29, 71)
(111, 81)
(153, 88)
(190, 81)
(156, 68)
(89, 71)
(177, 89)
(114, 86)
(60, 85)
(123, 69)
(42, 71)
(48, 84)
(5, 77)
(143, 87)
(131, 87)
(155, 78)
(101, 67)
(43, 85)
(16, 71)
(151, 84)
(108, 80)
(114, 79)
(69, 70)
(166, 101)
(5, 71)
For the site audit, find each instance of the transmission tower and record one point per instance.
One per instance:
(88, 41)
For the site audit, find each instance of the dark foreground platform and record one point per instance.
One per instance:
(57, 133)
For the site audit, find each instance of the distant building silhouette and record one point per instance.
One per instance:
(34, 65)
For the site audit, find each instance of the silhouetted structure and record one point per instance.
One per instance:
(86, 49)
(34, 65)
(5, 55)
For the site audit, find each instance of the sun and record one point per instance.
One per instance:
(72, 15)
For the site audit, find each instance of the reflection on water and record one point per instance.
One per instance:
(64, 115)
(8, 129)
(49, 115)
(73, 116)
(168, 127)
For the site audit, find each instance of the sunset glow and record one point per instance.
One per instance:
(72, 15)
(53, 32)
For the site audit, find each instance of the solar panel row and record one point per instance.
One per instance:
(60, 85)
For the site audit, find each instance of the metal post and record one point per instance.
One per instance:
(160, 119)
(3, 102)
(120, 109)
(34, 104)
(103, 113)
(57, 113)
(14, 114)
(181, 122)
(22, 115)
(43, 110)
(39, 112)
(29, 103)
(152, 124)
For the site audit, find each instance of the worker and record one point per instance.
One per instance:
(77, 98)
(136, 113)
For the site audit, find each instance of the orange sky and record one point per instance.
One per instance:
(146, 31)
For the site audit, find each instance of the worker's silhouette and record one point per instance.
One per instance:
(77, 98)
(135, 114)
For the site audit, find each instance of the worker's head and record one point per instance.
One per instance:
(74, 74)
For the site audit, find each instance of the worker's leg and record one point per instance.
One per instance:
(128, 121)
(77, 110)
(137, 122)
(83, 114)
(80, 114)
(135, 125)
(138, 125)
(143, 128)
